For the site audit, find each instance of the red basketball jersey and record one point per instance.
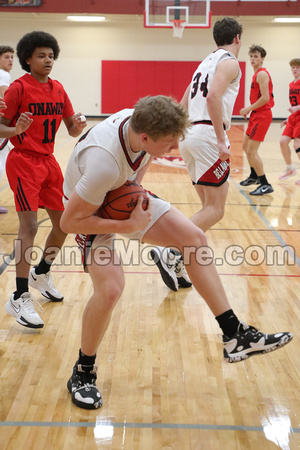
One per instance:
(48, 102)
(294, 95)
(255, 91)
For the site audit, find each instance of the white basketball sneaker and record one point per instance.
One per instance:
(44, 284)
(23, 310)
(167, 268)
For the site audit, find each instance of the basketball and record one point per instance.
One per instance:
(119, 203)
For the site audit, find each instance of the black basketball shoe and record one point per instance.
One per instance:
(248, 341)
(249, 181)
(82, 386)
(262, 190)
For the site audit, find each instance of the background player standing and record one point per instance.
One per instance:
(292, 124)
(262, 100)
(36, 105)
(209, 100)
(6, 64)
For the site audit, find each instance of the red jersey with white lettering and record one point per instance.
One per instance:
(49, 104)
(255, 93)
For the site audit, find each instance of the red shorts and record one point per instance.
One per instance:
(292, 128)
(259, 124)
(36, 181)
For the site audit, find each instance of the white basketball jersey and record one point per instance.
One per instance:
(201, 81)
(107, 145)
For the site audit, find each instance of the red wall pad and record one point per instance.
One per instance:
(125, 82)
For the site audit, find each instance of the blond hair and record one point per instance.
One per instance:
(159, 116)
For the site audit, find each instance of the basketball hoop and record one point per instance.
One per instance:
(178, 27)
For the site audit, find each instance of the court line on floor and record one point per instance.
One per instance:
(267, 223)
(179, 426)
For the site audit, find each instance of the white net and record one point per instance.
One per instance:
(178, 27)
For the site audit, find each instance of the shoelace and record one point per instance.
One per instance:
(243, 327)
(86, 378)
(30, 303)
(179, 267)
(49, 280)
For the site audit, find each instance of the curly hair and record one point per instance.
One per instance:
(159, 116)
(36, 39)
(6, 49)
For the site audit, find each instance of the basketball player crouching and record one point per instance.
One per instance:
(119, 148)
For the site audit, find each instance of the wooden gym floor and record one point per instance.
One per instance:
(163, 380)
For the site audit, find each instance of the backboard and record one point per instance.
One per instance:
(163, 13)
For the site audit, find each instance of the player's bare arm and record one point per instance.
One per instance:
(75, 124)
(23, 123)
(185, 99)
(226, 72)
(283, 123)
(79, 218)
(294, 109)
(263, 81)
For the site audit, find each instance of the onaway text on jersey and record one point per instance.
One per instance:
(46, 109)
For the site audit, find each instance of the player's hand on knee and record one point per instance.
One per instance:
(139, 216)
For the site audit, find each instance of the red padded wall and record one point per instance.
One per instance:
(124, 82)
(218, 8)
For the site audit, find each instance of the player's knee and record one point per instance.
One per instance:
(200, 239)
(28, 230)
(284, 142)
(112, 291)
(219, 213)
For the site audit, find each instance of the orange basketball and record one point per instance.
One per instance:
(119, 203)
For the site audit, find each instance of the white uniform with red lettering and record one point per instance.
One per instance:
(199, 149)
(101, 161)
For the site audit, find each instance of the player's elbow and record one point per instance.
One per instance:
(265, 99)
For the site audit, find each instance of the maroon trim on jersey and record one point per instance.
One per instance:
(221, 48)
(205, 122)
(21, 198)
(3, 144)
(84, 242)
(136, 164)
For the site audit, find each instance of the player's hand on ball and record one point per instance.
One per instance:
(139, 216)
